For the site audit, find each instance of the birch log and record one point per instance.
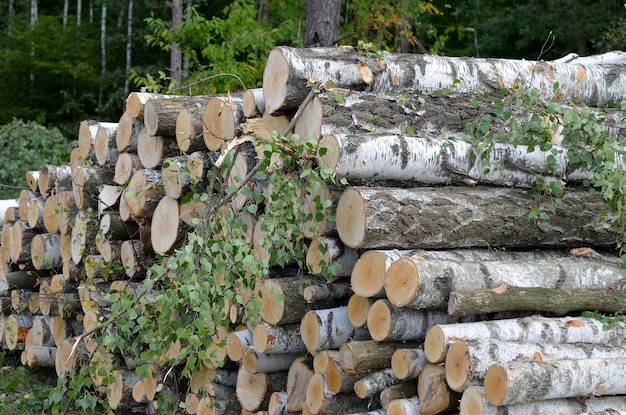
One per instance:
(298, 378)
(254, 390)
(418, 283)
(57, 178)
(332, 252)
(159, 115)
(189, 130)
(277, 339)
(329, 329)
(321, 401)
(467, 361)
(406, 406)
(370, 270)
(369, 354)
(437, 218)
(288, 70)
(408, 363)
(526, 381)
(534, 329)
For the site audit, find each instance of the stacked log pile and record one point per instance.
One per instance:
(421, 318)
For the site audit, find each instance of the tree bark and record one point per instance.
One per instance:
(253, 103)
(57, 178)
(369, 354)
(526, 381)
(255, 362)
(321, 401)
(369, 272)
(160, 115)
(403, 390)
(418, 283)
(85, 185)
(232, 118)
(213, 133)
(467, 361)
(437, 218)
(143, 193)
(327, 291)
(46, 251)
(559, 301)
(334, 252)
(374, 383)
(408, 363)
(236, 342)
(288, 70)
(16, 326)
(21, 240)
(322, 23)
(329, 329)
(20, 279)
(278, 339)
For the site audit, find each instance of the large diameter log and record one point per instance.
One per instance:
(278, 339)
(171, 229)
(298, 378)
(369, 272)
(534, 329)
(329, 329)
(288, 70)
(558, 301)
(254, 390)
(105, 146)
(375, 218)
(369, 354)
(418, 283)
(136, 101)
(467, 361)
(159, 115)
(152, 149)
(46, 251)
(527, 381)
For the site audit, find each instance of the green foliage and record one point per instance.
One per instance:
(608, 321)
(27, 146)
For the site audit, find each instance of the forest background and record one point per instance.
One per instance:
(62, 62)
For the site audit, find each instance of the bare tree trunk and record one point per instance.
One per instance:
(176, 56)
(11, 16)
(79, 12)
(129, 46)
(322, 23)
(66, 10)
(103, 56)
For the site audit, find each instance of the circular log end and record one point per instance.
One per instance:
(259, 338)
(309, 125)
(115, 390)
(124, 132)
(251, 389)
(472, 401)
(310, 331)
(211, 120)
(358, 308)
(272, 305)
(50, 215)
(185, 131)
(351, 218)
(150, 149)
(133, 106)
(125, 166)
(139, 392)
(328, 152)
(315, 396)
(400, 363)
(368, 274)
(275, 80)
(101, 146)
(85, 141)
(195, 167)
(65, 359)
(37, 249)
(250, 360)
(166, 220)
(402, 281)
(150, 118)
(379, 320)
(458, 370)
(435, 345)
(496, 384)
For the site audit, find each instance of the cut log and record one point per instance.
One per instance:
(66, 210)
(329, 329)
(358, 308)
(374, 383)
(46, 251)
(23, 202)
(332, 252)
(213, 133)
(298, 378)
(143, 193)
(63, 329)
(189, 130)
(236, 342)
(7, 235)
(134, 259)
(159, 115)
(255, 362)
(57, 178)
(320, 400)
(437, 396)
(16, 326)
(253, 103)
(125, 166)
(416, 283)
(527, 381)
(408, 363)
(152, 149)
(387, 322)
(455, 217)
(42, 336)
(467, 361)
(20, 279)
(32, 180)
(35, 214)
(474, 401)
(254, 390)
(327, 291)
(83, 235)
(278, 339)
(21, 240)
(86, 183)
(136, 101)
(112, 227)
(559, 301)
(369, 273)
(5, 205)
(41, 356)
(120, 391)
(128, 129)
(369, 354)
(535, 329)
(86, 135)
(406, 389)
(109, 198)
(278, 404)
(171, 229)
(232, 118)
(288, 70)
(105, 146)
(407, 406)
(264, 126)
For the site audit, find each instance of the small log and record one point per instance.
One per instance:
(298, 378)
(535, 329)
(236, 342)
(278, 403)
(254, 390)
(46, 251)
(369, 354)
(189, 130)
(171, 229)
(21, 241)
(321, 401)
(119, 392)
(527, 381)
(20, 279)
(374, 383)
(253, 103)
(329, 329)
(35, 214)
(134, 259)
(327, 291)
(109, 198)
(6, 205)
(255, 362)
(105, 146)
(406, 389)
(136, 101)
(416, 283)
(323, 358)
(408, 363)
(363, 212)
(7, 235)
(16, 326)
(41, 356)
(265, 125)
(369, 273)
(358, 308)
(114, 228)
(152, 149)
(213, 134)
(32, 180)
(333, 252)
(76, 160)
(66, 210)
(387, 322)
(232, 118)
(278, 339)
(407, 406)
(125, 166)
(86, 183)
(159, 115)
(128, 129)
(73, 272)
(223, 403)
(143, 193)
(559, 301)
(57, 178)
(83, 235)
(175, 176)
(86, 135)
(467, 361)
(62, 329)
(42, 336)
(437, 397)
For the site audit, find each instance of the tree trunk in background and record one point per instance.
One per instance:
(129, 46)
(79, 12)
(322, 23)
(34, 14)
(103, 70)
(11, 16)
(176, 56)
(66, 10)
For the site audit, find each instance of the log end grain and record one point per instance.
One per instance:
(275, 80)
(315, 258)
(260, 338)
(309, 125)
(400, 363)
(166, 220)
(458, 365)
(472, 401)
(328, 152)
(272, 306)
(150, 149)
(185, 130)
(402, 281)
(379, 320)
(251, 389)
(315, 393)
(310, 331)
(369, 274)
(496, 384)
(150, 118)
(351, 218)
(358, 307)
(435, 345)
(213, 135)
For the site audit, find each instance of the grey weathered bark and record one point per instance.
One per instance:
(103, 57)
(176, 56)
(129, 46)
(322, 23)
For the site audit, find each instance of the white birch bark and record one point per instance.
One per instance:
(329, 329)
(129, 46)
